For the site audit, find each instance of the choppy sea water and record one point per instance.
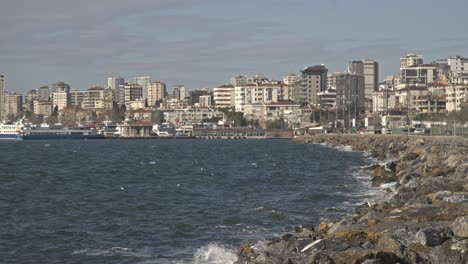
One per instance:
(166, 201)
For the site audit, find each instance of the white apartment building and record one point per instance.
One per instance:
(290, 79)
(204, 100)
(263, 111)
(60, 99)
(410, 95)
(423, 73)
(156, 92)
(76, 97)
(223, 96)
(98, 98)
(286, 92)
(410, 60)
(455, 95)
(190, 115)
(44, 108)
(383, 101)
(254, 93)
(458, 67)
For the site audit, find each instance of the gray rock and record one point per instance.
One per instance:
(433, 236)
(460, 226)
(341, 225)
(319, 258)
(455, 198)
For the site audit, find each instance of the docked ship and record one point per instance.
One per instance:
(11, 130)
(45, 132)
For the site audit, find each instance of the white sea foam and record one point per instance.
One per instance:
(113, 251)
(152, 162)
(346, 148)
(214, 254)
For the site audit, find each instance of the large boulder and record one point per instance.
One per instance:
(433, 235)
(319, 258)
(460, 227)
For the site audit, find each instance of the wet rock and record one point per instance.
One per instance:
(460, 227)
(245, 250)
(323, 226)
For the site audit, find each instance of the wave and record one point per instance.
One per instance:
(345, 148)
(113, 251)
(214, 254)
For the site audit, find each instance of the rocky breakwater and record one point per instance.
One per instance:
(425, 220)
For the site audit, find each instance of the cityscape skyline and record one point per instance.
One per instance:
(202, 44)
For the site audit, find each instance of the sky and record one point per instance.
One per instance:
(203, 43)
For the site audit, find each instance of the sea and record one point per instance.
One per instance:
(167, 201)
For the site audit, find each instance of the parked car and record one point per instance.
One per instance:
(386, 131)
(368, 132)
(419, 130)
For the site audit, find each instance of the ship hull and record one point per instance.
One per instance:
(10, 137)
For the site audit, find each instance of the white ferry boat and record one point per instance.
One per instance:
(11, 130)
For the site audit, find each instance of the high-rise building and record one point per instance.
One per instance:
(254, 93)
(290, 79)
(43, 108)
(411, 60)
(60, 87)
(13, 104)
(60, 100)
(195, 95)
(458, 69)
(2, 97)
(178, 92)
(115, 83)
(76, 97)
(370, 70)
(313, 81)
(223, 96)
(130, 92)
(350, 93)
(239, 80)
(43, 93)
(422, 73)
(144, 82)
(156, 92)
(205, 100)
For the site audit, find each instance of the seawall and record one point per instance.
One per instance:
(425, 220)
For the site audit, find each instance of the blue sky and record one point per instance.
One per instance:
(203, 43)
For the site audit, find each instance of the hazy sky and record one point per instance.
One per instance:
(203, 43)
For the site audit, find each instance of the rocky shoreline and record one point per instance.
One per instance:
(424, 221)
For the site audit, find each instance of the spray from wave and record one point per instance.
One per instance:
(214, 254)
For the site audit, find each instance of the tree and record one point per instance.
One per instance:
(55, 111)
(276, 124)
